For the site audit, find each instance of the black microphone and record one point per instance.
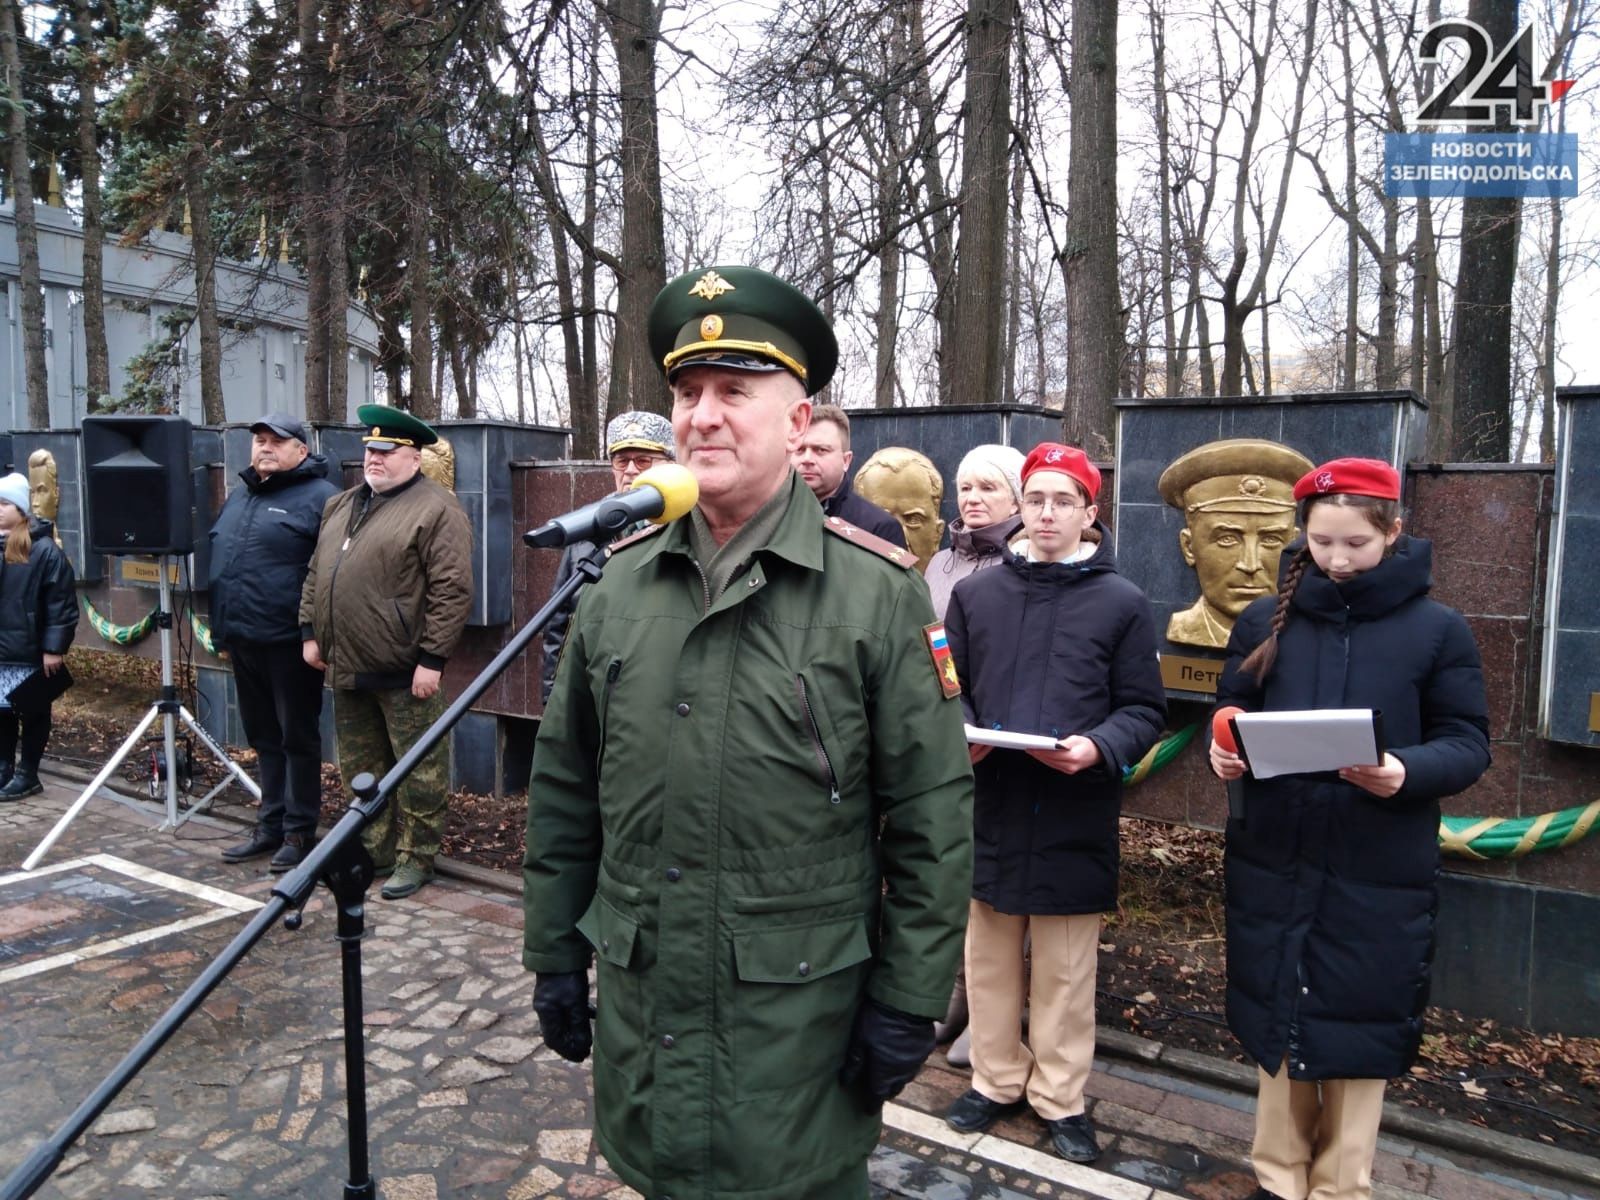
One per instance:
(663, 493)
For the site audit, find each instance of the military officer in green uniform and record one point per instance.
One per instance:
(385, 600)
(750, 796)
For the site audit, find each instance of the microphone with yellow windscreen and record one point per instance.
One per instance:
(663, 493)
(678, 487)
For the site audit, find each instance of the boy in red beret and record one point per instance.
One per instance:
(1054, 642)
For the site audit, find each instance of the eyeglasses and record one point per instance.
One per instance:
(639, 462)
(1046, 503)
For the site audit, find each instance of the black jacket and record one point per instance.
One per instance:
(260, 545)
(38, 603)
(1054, 648)
(1331, 891)
(864, 514)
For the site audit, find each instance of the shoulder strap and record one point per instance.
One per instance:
(639, 536)
(869, 541)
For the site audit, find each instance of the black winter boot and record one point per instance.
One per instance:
(295, 847)
(24, 781)
(260, 841)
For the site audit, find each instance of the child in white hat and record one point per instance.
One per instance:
(38, 617)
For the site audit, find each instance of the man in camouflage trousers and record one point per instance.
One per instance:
(387, 595)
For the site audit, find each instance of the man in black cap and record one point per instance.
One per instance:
(260, 545)
(384, 603)
(750, 795)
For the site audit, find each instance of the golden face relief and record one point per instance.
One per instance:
(907, 484)
(1237, 500)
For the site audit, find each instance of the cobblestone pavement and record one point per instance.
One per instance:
(247, 1099)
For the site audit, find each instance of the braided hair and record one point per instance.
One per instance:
(1381, 513)
(1259, 661)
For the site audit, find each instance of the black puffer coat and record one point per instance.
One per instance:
(1058, 649)
(1332, 891)
(260, 545)
(38, 603)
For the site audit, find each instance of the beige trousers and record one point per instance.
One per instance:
(1053, 1067)
(1316, 1141)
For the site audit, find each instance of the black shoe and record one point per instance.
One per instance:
(260, 842)
(294, 849)
(6, 769)
(973, 1112)
(1073, 1138)
(24, 781)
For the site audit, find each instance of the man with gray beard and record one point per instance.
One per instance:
(384, 603)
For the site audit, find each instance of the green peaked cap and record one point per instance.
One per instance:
(385, 424)
(743, 318)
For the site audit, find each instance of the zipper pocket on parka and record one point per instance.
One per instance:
(815, 731)
(613, 669)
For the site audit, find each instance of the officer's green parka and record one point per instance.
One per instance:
(731, 875)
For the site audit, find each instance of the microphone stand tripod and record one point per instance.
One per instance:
(341, 862)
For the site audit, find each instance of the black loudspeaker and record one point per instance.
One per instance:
(136, 471)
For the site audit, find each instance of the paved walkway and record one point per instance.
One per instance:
(247, 1100)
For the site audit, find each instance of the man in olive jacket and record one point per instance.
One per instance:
(750, 796)
(386, 597)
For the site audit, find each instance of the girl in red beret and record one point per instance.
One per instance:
(1331, 877)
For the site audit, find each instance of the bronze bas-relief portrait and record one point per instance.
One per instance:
(907, 484)
(1237, 501)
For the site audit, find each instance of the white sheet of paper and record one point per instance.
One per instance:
(1323, 739)
(1007, 740)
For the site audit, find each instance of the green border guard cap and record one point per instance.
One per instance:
(745, 319)
(389, 428)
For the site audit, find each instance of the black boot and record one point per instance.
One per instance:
(259, 842)
(24, 781)
(7, 769)
(295, 847)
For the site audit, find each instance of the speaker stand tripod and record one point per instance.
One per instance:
(171, 711)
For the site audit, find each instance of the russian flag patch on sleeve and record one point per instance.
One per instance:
(944, 666)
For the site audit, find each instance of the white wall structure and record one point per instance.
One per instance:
(261, 304)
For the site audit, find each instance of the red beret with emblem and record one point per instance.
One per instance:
(1350, 477)
(1069, 460)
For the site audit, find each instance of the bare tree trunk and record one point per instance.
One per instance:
(1481, 338)
(31, 284)
(1014, 290)
(635, 28)
(1173, 375)
(313, 204)
(205, 281)
(1547, 364)
(941, 247)
(459, 374)
(886, 321)
(424, 398)
(588, 276)
(977, 372)
(97, 357)
(1094, 328)
(1352, 235)
(338, 263)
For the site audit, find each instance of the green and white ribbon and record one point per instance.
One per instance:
(120, 635)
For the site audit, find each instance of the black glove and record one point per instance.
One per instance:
(562, 1005)
(887, 1049)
